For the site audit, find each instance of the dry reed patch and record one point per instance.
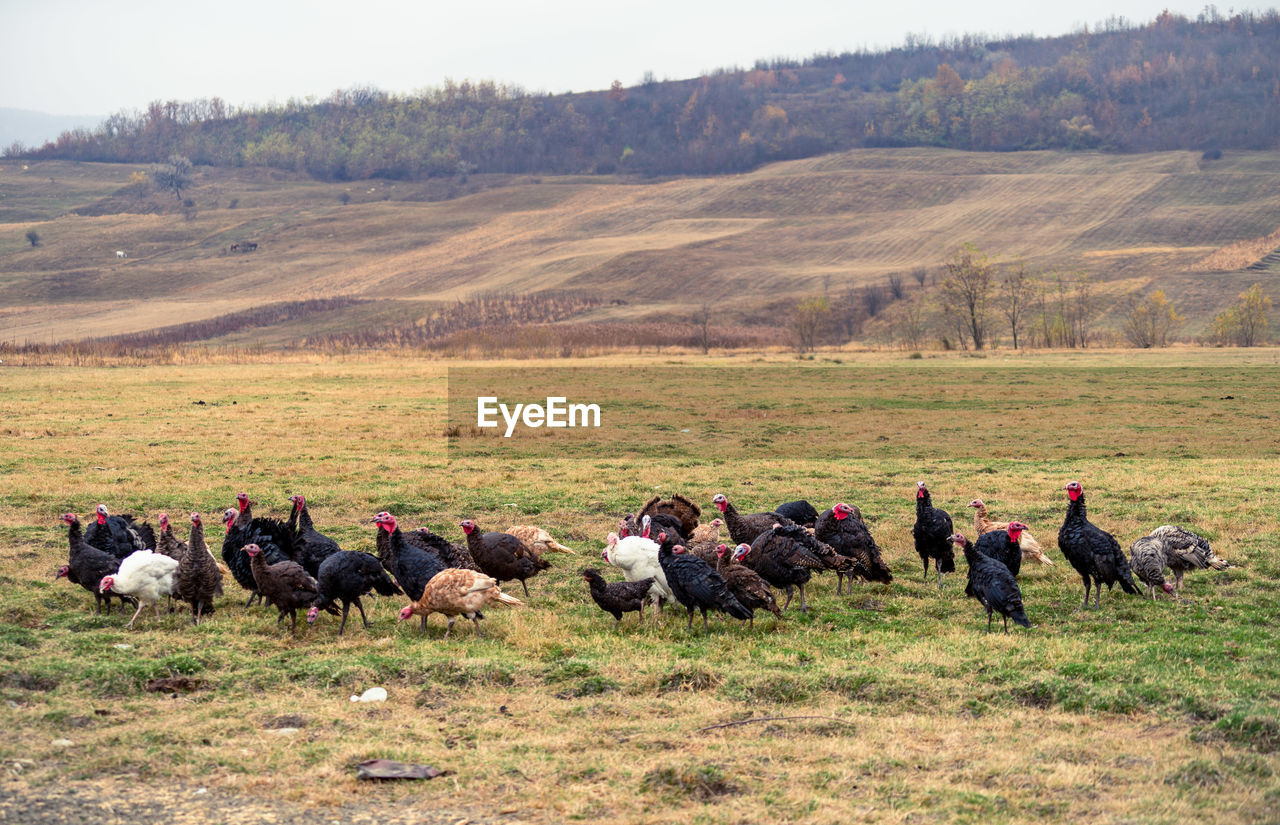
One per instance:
(781, 229)
(1239, 255)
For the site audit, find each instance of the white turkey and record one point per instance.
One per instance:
(147, 576)
(637, 558)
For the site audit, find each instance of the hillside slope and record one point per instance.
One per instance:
(788, 229)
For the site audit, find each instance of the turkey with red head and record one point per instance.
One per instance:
(285, 584)
(746, 584)
(932, 534)
(1092, 551)
(1004, 546)
(842, 528)
(697, 585)
(272, 536)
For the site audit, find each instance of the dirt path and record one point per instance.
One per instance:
(113, 803)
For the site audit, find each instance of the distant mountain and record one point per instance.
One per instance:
(33, 129)
(1208, 85)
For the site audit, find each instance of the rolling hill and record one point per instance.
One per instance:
(744, 243)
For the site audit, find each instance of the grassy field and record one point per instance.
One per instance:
(788, 229)
(899, 706)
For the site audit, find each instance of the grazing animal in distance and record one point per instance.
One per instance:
(932, 534)
(1093, 552)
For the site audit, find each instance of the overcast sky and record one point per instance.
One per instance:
(97, 57)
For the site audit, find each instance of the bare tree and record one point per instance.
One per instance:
(1015, 299)
(1083, 309)
(908, 321)
(872, 300)
(173, 176)
(848, 314)
(967, 290)
(920, 273)
(895, 286)
(702, 319)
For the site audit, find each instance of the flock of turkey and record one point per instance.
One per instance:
(664, 553)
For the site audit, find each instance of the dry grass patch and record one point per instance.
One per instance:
(785, 229)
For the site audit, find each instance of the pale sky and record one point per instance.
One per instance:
(97, 57)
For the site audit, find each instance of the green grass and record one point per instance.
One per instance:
(1141, 711)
